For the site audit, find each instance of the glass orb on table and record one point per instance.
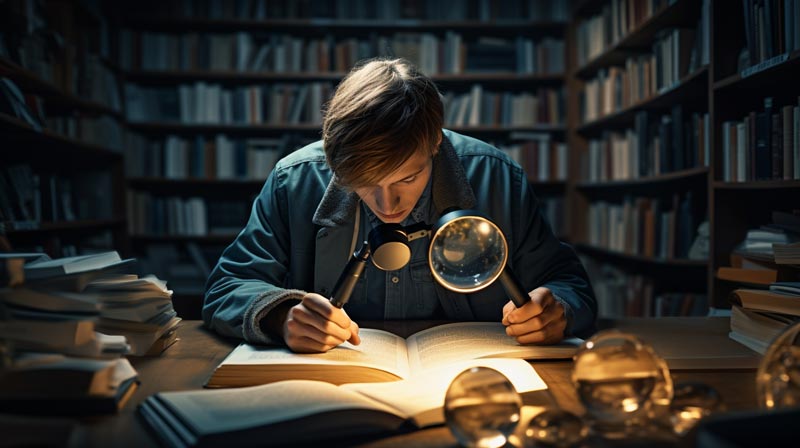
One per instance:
(778, 376)
(621, 382)
(482, 408)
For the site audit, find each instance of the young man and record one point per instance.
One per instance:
(384, 158)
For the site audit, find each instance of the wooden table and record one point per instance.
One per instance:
(188, 364)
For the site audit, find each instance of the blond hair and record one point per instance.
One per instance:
(382, 113)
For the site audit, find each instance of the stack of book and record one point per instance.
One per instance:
(70, 325)
(759, 315)
(767, 254)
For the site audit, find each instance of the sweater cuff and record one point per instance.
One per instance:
(568, 314)
(258, 310)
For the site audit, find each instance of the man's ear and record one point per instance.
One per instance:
(438, 143)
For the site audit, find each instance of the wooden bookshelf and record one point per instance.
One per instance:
(205, 239)
(780, 72)
(683, 263)
(640, 38)
(234, 77)
(738, 90)
(54, 145)
(64, 226)
(230, 129)
(262, 129)
(643, 182)
(66, 193)
(689, 89)
(29, 82)
(321, 26)
(691, 93)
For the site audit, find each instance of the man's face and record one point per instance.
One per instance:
(394, 198)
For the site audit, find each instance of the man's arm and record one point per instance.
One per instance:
(542, 261)
(245, 284)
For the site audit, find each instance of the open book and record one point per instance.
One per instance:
(381, 356)
(301, 411)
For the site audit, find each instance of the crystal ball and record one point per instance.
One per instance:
(482, 408)
(555, 428)
(778, 376)
(621, 382)
(690, 403)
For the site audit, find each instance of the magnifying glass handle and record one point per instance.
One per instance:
(349, 276)
(514, 287)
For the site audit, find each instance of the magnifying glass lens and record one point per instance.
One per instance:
(467, 253)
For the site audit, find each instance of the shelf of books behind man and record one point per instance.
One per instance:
(641, 122)
(756, 181)
(215, 105)
(60, 114)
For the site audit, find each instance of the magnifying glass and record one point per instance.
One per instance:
(467, 253)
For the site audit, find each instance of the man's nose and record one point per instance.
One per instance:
(384, 198)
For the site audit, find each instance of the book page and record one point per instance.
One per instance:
(226, 410)
(422, 395)
(442, 345)
(378, 349)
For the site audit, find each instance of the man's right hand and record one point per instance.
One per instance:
(314, 325)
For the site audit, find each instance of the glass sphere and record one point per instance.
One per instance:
(482, 408)
(621, 382)
(555, 428)
(690, 403)
(778, 376)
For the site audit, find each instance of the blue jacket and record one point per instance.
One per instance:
(301, 228)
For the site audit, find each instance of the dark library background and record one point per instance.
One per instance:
(662, 137)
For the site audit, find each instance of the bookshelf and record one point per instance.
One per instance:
(487, 59)
(638, 120)
(752, 175)
(61, 122)
(739, 179)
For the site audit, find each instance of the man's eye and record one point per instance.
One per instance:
(409, 180)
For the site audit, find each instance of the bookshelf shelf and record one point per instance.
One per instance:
(143, 182)
(553, 185)
(203, 239)
(324, 25)
(690, 88)
(65, 226)
(234, 77)
(775, 74)
(506, 130)
(677, 176)
(180, 128)
(30, 82)
(676, 14)
(758, 185)
(52, 143)
(195, 187)
(628, 258)
(165, 128)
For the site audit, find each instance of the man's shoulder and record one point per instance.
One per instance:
(472, 150)
(309, 154)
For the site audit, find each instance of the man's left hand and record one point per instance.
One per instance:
(540, 321)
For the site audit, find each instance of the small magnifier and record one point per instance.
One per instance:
(467, 253)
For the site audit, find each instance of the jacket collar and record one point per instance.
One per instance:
(450, 188)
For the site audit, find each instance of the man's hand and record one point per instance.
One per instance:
(540, 321)
(314, 325)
